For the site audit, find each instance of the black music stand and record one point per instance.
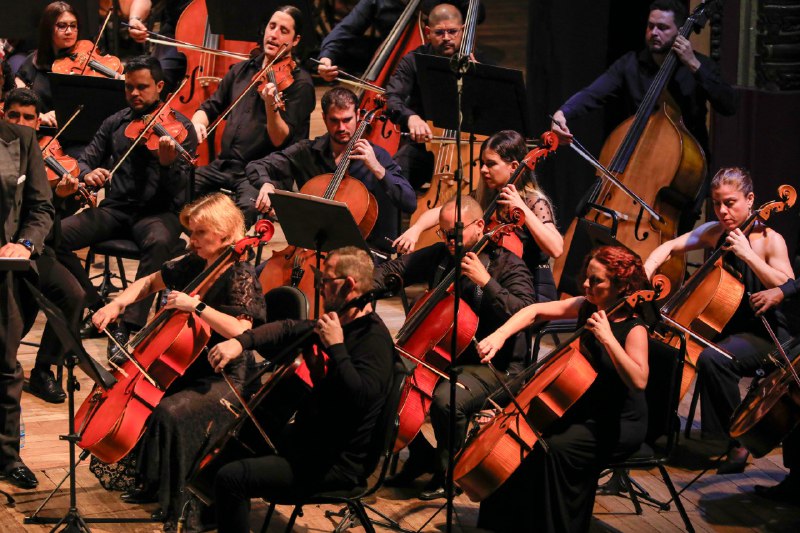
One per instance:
(225, 18)
(101, 98)
(316, 224)
(587, 236)
(74, 355)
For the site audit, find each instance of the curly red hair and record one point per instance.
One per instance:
(624, 268)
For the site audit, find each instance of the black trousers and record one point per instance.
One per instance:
(11, 327)
(228, 174)
(156, 236)
(62, 288)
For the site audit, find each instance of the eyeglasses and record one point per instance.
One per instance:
(14, 115)
(64, 26)
(451, 234)
(320, 280)
(452, 32)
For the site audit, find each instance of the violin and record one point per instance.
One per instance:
(280, 75)
(112, 420)
(57, 163)
(426, 339)
(163, 123)
(553, 386)
(85, 60)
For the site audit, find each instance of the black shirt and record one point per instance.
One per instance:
(245, 137)
(141, 186)
(334, 430)
(403, 94)
(35, 77)
(630, 77)
(509, 290)
(308, 158)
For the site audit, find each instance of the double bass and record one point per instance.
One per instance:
(552, 387)
(656, 157)
(112, 420)
(710, 297)
(292, 265)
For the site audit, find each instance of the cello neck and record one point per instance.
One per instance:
(470, 23)
(344, 160)
(387, 47)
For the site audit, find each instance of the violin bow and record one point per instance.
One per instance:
(587, 155)
(158, 38)
(61, 130)
(779, 347)
(96, 41)
(150, 123)
(355, 81)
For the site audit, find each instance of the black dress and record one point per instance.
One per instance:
(555, 491)
(538, 262)
(180, 427)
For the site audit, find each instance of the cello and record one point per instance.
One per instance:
(553, 386)
(426, 339)
(710, 297)
(291, 265)
(112, 420)
(656, 157)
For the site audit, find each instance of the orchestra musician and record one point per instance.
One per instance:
(696, 83)
(555, 490)
(164, 456)
(27, 214)
(500, 156)
(327, 447)
(496, 285)
(144, 196)
(763, 262)
(55, 281)
(372, 165)
(256, 127)
(444, 32)
(788, 490)
(173, 62)
(348, 45)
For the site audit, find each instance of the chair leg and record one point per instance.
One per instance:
(692, 408)
(359, 510)
(297, 511)
(676, 498)
(625, 481)
(122, 276)
(268, 518)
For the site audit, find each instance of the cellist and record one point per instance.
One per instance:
(174, 435)
(763, 262)
(554, 491)
(696, 82)
(788, 490)
(256, 127)
(497, 284)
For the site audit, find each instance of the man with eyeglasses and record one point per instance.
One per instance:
(55, 280)
(444, 32)
(496, 284)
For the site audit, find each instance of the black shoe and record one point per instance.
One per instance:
(787, 491)
(42, 383)
(139, 496)
(88, 331)
(22, 477)
(121, 334)
(434, 489)
(735, 462)
(408, 474)
(159, 515)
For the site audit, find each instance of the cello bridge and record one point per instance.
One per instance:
(205, 81)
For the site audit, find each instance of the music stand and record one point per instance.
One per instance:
(225, 18)
(74, 355)
(101, 98)
(316, 224)
(588, 235)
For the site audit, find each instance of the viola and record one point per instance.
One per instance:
(163, 123)
(84, 59)
(280, 75)
(656, 158)
(710, 297)
(552, 387)
(426, 339)
(112, 420)
(56, 162)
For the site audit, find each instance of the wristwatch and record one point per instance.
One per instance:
(198, 310)
(27, 244)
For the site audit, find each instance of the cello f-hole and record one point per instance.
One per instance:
(644, 235)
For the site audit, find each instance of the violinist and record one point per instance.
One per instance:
(55, 281)
(696, 82)
(27, 214)
(348, 45)
(327, 447)
(256, 127)
(144, 196)
(172, 61)
(500, 156)
(497, 284)
(763, 262)
(554, 491)
(163, 457)
(372, 165)
(444, 32)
